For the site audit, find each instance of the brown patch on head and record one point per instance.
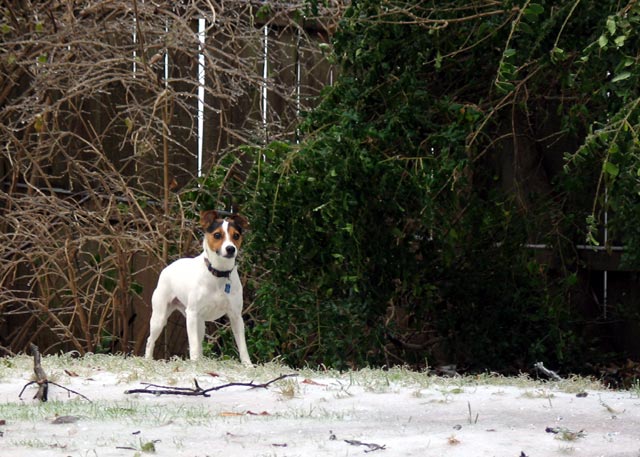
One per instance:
(217, 232)
(207, 218)
(240, 221)
(235, 234)
(215, 238)
(213, 233)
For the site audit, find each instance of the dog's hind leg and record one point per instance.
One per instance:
(159, 316)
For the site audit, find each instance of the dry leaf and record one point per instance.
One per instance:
(65, 420)
(246, 413)
(312, 382)
(452, 440)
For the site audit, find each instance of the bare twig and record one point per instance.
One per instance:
(97, 138)
(195, 391)
(371, 446)
(41, 376)
(42, 381)
(545, 371)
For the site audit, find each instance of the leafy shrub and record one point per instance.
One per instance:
(393, 234)
(347, 258)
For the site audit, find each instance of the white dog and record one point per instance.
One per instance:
(204, 288)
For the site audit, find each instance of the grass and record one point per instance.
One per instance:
(121, 411)
(130, 421)
(61, 368)
(131, 369)
(289, 388)
(35, 443)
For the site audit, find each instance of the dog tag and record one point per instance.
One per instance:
(227, 288)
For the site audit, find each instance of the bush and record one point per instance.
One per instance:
(351, 268)
(394, 232)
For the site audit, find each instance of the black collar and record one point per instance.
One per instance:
(217, 273)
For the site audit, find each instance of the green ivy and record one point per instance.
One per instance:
(384, 237)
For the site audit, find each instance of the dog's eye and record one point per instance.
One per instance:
(217, 235)
(236, 236)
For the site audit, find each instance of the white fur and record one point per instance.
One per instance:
(189, 287)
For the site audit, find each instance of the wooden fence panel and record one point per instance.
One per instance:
(232, 100)
(282, 82)
(87, 173)
(316, 71)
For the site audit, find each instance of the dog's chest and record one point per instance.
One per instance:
(216, 298)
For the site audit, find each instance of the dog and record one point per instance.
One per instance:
(204, 288)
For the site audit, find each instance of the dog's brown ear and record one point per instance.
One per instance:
(240, 221)
(208, 217)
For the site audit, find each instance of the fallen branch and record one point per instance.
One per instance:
(545, 371)
(41, 376)
(372, 446)
(155, 389)
(565, 434)
(41, 379)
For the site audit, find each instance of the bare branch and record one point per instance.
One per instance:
(197, 391)
(98, 138)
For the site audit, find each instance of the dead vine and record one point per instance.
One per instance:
(98, 137)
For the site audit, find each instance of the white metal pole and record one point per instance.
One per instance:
(265, 75)
(201, 83)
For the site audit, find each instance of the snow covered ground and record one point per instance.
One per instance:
(316, 413)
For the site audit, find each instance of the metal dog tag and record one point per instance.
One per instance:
(227, 288)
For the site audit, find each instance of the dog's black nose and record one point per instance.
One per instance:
(231, 250)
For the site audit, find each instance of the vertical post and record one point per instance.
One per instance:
(165, 169)
(165, 154)
(265, 75)
(201, 85)
(605, 274)
(298, 80)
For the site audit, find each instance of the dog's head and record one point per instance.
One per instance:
(223, 235)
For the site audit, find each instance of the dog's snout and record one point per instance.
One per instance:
(231, 250)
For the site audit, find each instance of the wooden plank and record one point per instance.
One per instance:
(233, 66)
(316, 71)
(282, 83)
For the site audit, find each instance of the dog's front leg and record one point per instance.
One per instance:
(237, 327)
(195, 333)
